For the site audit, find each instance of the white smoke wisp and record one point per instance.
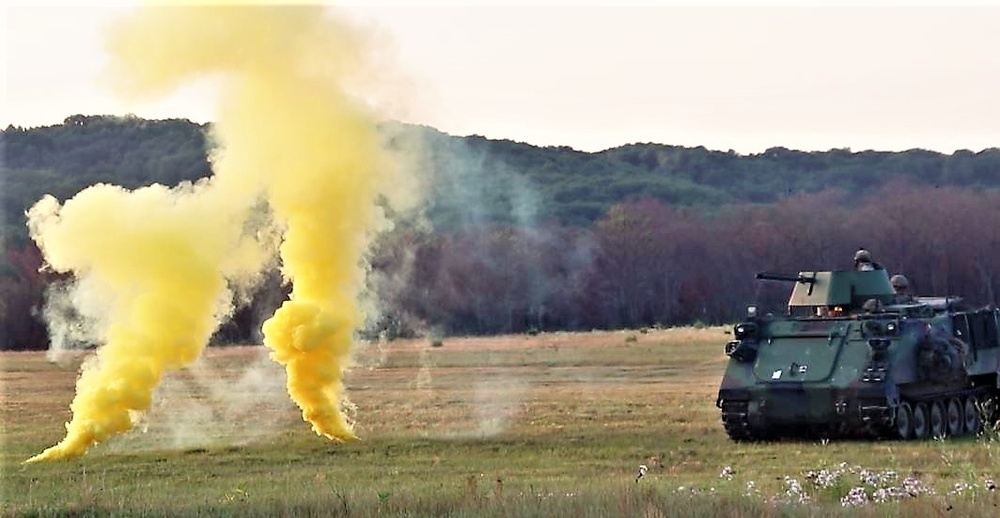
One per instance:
(208, 405)
(68, 329)
(496, 403)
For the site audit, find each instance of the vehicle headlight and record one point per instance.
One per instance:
(743, 351)
(745, 330)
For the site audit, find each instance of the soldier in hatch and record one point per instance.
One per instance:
(873, 306)
(901, 285)
(863, 261)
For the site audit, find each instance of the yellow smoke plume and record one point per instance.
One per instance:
(163, 259)
(159, 260)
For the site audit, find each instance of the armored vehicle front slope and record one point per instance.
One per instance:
(847, 359)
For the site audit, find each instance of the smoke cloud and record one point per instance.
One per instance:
(202, 407)
(156, 267)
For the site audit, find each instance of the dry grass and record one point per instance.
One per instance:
(553, 424)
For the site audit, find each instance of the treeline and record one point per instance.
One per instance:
(476, 181)
(61, 160)
(643, 264)
(525, 238)
(646, 263)
(515, 183)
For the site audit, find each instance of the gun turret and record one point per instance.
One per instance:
(848, 288)
(767, 276)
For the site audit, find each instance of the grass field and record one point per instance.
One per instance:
(547, 425)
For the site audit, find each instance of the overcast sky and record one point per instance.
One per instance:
(592, 77)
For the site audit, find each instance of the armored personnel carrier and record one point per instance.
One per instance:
(846, 359)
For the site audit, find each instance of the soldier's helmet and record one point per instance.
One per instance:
(862, 256)
(900, 282)
(872, 306)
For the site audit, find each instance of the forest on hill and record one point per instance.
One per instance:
(524, 238)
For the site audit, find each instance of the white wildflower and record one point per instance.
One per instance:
(823, 478)
(794, 492)
(961, 487)
(914, 487)
(856, 497)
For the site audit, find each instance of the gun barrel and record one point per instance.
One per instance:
(785, 277)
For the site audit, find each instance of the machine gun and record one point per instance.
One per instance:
(767, 276)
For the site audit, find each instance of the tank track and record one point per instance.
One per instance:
(736, 420)
(987, 415)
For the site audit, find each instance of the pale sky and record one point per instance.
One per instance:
(594, 76)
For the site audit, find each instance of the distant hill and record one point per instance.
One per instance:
(550, 238)
(85, 150)
(479, 180)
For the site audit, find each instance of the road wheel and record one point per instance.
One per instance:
(904, 421)
(971, 414)
(953, 416)
(938, 425)
(921, 424)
